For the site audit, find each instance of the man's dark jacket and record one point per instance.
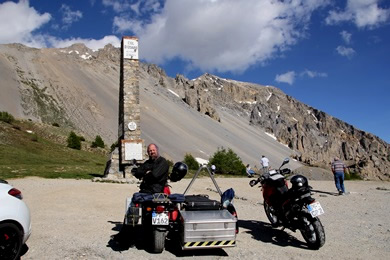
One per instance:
(154, 181)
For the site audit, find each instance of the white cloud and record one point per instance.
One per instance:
(69, 16)
(345, 51)
(290, 76)
(228, 35)
(117, 5)
(287, 77)
(139, 7)
(363, 13)
(122, 25)
(18, 21)
(346, 36)
(90, 43)
(313, 74)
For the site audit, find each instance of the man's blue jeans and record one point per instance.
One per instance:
(339, 181)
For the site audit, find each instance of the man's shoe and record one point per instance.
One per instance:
(340, 192)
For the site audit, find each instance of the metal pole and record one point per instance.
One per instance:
(196, 176)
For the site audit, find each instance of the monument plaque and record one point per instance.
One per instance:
(133, 150)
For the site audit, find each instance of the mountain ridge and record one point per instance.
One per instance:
(79, 87)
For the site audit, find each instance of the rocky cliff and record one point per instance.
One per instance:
(78, 87)
(315, 135)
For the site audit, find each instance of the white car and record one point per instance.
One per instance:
(15, 222)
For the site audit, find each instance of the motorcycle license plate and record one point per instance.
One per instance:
(315, 209)
(160, 218)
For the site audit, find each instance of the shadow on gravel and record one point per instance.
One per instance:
(326, 192)
(264, 232)
(134, 238)
(126, 238)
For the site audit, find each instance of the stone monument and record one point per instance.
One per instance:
(130, 145)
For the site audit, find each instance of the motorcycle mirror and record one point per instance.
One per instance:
(285, 161)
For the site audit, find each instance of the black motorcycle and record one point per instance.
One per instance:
(292, 208)
(158, 215)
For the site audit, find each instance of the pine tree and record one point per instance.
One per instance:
(74, 141)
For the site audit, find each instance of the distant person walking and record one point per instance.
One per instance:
(265, 163)
(338, 169)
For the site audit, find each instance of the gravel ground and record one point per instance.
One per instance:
(75, 219)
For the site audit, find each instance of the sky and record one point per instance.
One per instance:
(333, 55)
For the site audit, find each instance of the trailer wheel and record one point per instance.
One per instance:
(158, 241)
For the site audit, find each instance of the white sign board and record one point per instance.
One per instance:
(130, 49)
(133, 151)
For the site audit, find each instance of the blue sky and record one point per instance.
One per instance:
(333, 55)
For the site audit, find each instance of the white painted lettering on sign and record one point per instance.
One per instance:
(130, 49)
(133, 151)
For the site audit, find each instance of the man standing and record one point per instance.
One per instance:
(265, 163)
(338, 169)
(154, 172)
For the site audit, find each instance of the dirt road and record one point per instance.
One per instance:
(75, 219)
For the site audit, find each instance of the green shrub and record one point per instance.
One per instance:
(113, 146)
(74, 141)
(98, 142)
(34, 137)
(6, 117)
(191, 162)
(352, 175)
(227, 162)
(170, 163)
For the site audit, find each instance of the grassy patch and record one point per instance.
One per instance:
(25, 152)
(352, 176)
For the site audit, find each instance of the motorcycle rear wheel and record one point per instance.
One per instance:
(158, 240)
(313, 232)
(271, 214)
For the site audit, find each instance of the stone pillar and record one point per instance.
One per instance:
(131, 146)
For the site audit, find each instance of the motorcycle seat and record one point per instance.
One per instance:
(140, 197)
(177, 198)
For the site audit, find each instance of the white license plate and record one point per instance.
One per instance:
(315, 209)
(160, 219)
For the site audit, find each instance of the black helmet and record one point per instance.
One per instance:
(179, 171)
(299, 181)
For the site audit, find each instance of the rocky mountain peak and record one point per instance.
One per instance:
(84, 95)
(110, 53)
(78, 47)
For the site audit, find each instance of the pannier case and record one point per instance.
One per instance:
(201, 202)
(208, 229)
(133, 214)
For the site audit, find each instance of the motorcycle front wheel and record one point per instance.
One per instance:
(313, 232)
(271, 214)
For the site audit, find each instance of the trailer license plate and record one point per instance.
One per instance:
(160, 218)
(315, 209)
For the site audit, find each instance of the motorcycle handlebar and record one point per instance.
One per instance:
(262, 178)
(253, 182)
(285, 171)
